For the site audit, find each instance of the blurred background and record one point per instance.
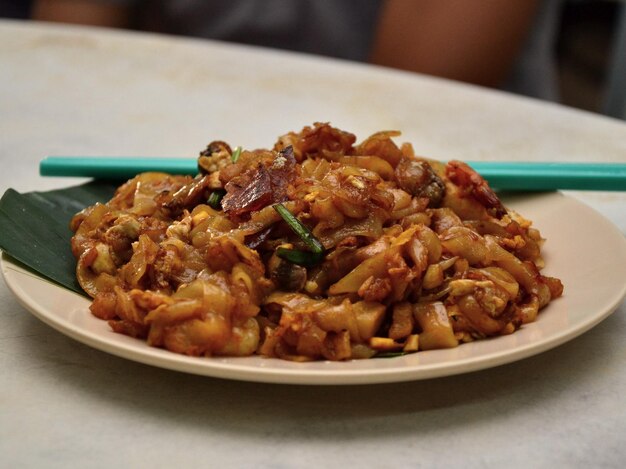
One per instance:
(567, 51)
(589, 60)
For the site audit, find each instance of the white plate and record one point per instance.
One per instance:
(583, 249)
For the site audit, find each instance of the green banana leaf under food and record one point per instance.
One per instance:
(34, 228)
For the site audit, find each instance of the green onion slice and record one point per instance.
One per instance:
(389, 354)
(215, 199)
(300, 229)
(235, 156)
(303, 258)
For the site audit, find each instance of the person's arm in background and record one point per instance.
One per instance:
(475, 41)
(95, 13)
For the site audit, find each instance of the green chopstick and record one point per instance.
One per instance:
(513, 176)
(103, 167)
(527, 176)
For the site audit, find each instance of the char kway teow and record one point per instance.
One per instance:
(316, 249)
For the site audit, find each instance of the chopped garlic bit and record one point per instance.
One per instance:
(279, 162)
(356, 182)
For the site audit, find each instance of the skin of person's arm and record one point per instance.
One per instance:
(475, 41)
(89, 12)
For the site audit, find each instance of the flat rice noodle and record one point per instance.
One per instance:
(370, 228)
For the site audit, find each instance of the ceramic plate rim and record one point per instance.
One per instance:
(258, 369)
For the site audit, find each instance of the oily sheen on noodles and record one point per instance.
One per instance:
(316, 249)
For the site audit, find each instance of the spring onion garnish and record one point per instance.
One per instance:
(235, 156)
(389, 354)
(303, 258)
(300, 229)
(215, 199)
(311, 257)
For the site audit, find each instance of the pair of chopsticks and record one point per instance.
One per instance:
(513, 176)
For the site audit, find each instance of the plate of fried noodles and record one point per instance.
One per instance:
(324, 259)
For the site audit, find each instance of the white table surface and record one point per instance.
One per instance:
(82, 91)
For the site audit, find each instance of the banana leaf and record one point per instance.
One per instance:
(34, 228)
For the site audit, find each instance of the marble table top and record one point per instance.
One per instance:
(83, 91)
